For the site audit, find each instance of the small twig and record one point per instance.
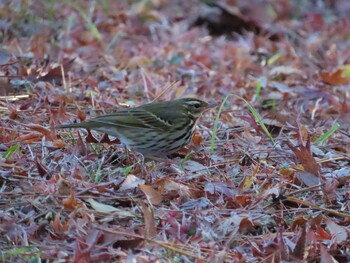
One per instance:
(170, 85)
(317, 207)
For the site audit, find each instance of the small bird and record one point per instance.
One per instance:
(158, 128)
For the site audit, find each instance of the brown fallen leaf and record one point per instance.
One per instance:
(334, 78)
(300, 248)
(30, 138)
(148, 215)
(154, 197)
(71, 203)
(171, 188)
(50, 135)
(305, 157)
(58, 226)
(90, 138)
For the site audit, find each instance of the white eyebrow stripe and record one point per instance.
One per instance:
(194, 103)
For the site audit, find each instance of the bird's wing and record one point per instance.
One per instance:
(133, 118)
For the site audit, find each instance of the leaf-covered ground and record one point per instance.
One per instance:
(266, 178)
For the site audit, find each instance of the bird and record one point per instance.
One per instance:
(155, 129)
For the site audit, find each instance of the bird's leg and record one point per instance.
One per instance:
(142, 163)
(126, 154)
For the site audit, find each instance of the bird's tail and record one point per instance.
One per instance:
(71, 125)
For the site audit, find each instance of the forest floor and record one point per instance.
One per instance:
(266, 177)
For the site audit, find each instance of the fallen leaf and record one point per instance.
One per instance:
(339, 233)
(168, 187)
(131, 182)
(148, 216)
(335, 78)
(50, 135)
(300, 249)
(219, 188)
(71, 203)
(58, 226)
(304, 155)
(154, 197)
(308, 179)
(103, 208)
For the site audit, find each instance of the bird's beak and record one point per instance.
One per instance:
(212, 105)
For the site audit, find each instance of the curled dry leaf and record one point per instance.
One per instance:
(335, 78)
(42, 169)
(58, 226)
(246, 225)
(81, 115)
(80, 147)
(71, 203)
(90, 138)
(154, 197)
(197, 138)
(304, 155)
(148, 215)
(107, 209)
(171, 187)
(131, 182)
(300, 248)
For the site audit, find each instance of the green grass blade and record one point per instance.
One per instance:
(258, 119)
(10, 151)
(212, 143)
(258, 89)
(92, 28)
(328, 134)
(273, 59)
(253, 112)
(183, 162)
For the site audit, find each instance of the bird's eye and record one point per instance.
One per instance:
(197, 105)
